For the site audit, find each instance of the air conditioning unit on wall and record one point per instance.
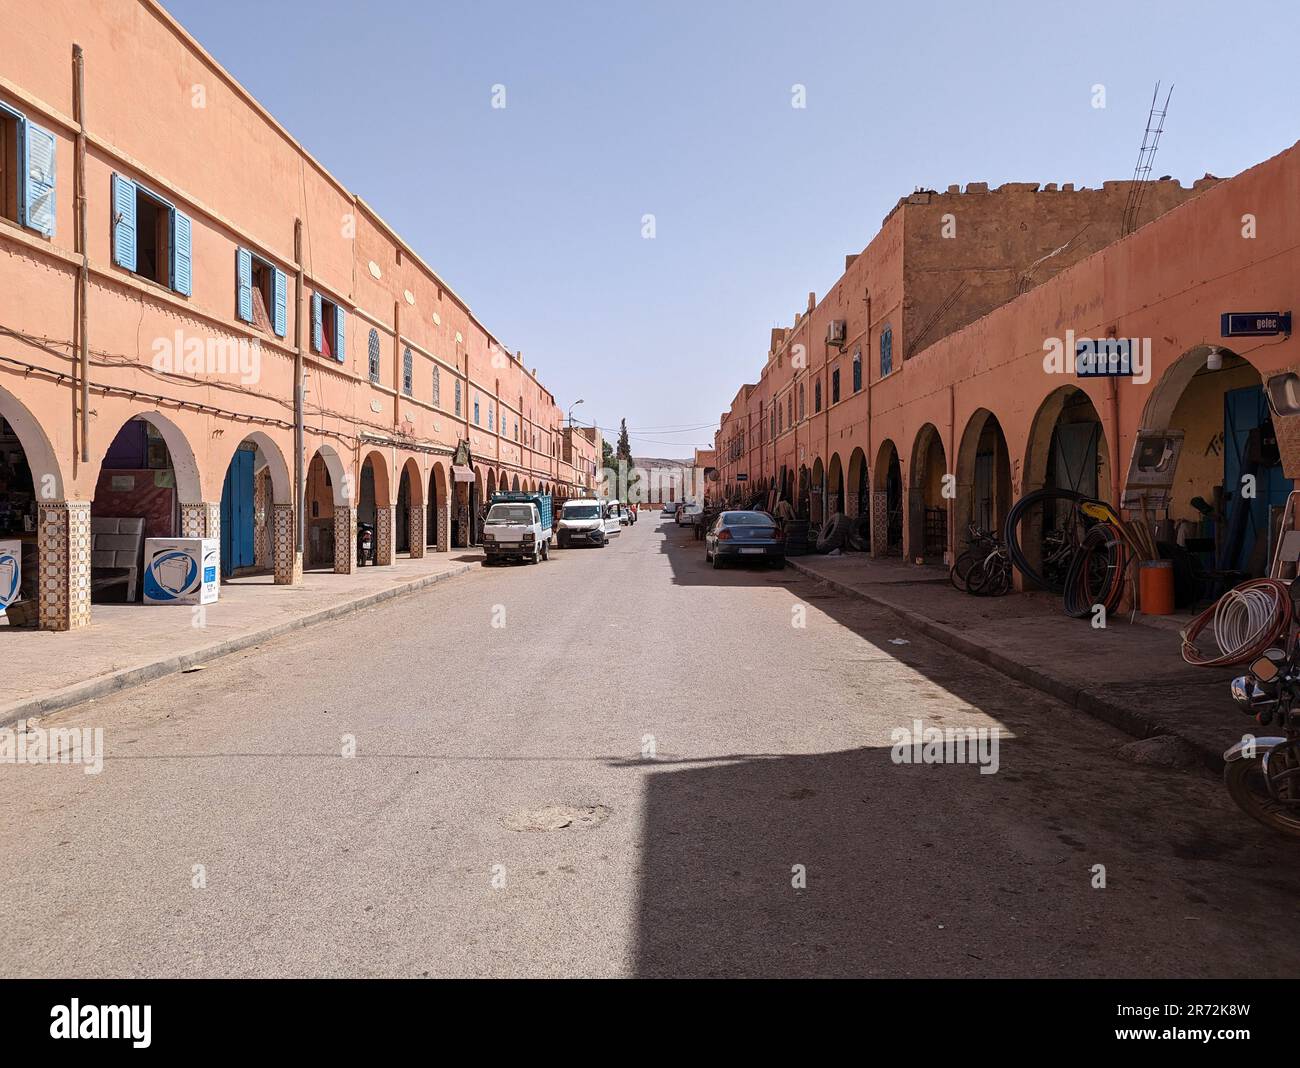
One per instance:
(836, 332)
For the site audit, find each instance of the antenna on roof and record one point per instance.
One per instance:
(1146, 155)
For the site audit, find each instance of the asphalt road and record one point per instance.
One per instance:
(771, 755)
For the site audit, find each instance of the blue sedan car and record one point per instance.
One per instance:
(744, 536)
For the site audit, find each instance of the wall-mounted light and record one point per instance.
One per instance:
(1214, 361)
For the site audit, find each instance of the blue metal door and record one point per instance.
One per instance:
(237, 514)
(1244, 410)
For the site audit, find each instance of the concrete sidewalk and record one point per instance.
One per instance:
(1131, 675)
(127, 644)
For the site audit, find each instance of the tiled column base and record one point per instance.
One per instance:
(851, 505)
(444, 527)
(286, 560)
(202, 520)
(832, 504)
(345, 539)
(384, 536)
(815, 506)
(415, 529)
(63, 552)
(879, 523)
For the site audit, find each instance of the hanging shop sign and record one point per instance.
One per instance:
(1106, 357)
(1254, 324)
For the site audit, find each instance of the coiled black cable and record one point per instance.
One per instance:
(1011, 538)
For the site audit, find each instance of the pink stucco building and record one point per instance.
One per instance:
(172, 264)
(918, 393)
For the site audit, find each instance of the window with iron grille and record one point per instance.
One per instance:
(458, 398)
(801, 407)
(437, 386)
(408, 372)
(817, 396)
(373, 346)
(886, 351)
(857, 369)
(835, 386)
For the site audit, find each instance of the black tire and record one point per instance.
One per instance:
(1245, 782)
(717, 562)
(958, 572)
(833, 534)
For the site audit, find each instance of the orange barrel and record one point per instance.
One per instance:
(1156, 587)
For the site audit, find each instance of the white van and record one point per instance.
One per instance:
(582, 522)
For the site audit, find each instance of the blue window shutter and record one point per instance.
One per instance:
(124, 222)
(244, 284)
(38, 207)
(340, 334)
(316, 338)
(281, 318)
(182, 235)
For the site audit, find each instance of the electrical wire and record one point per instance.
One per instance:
(1245, 621)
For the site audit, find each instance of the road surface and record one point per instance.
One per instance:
(620, 763)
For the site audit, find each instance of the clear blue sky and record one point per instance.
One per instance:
(683, 110)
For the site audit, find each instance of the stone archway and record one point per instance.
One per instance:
(53, 569)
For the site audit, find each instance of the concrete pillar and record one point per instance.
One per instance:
(384, 530)
(63, 554)
(415, 526)
(345, 539)
(263, 555)
(201, 520)
(879, 522)
(286, 560)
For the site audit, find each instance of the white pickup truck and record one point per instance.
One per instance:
(518, 529)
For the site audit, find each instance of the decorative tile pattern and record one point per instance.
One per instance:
(384, 536)
(287, 561)
(444, 526)
(345, 539)
(63, 550)
(879, 523)
(415, 530)
(851, 504)
(832, 503)
(202, 520)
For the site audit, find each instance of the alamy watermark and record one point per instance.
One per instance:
(55, 745)
(919, 744)
(1087, 357)
(191, 354)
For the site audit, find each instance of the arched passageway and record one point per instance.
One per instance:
(257, 532)
(35, 539)
(984, 492)
(1067, 449)
(928, 495)
(887, 502)
(1210, 472)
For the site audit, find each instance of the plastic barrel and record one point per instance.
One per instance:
(1156, 587)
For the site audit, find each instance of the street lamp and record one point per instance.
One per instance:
(571, 407)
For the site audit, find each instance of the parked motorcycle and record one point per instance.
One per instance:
(1262, 773)
(365, 544)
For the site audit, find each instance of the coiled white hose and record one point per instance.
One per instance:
(1246, 621)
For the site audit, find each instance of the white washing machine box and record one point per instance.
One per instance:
(11, 572)
(181, 570)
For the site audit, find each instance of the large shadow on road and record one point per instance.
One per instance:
(937, 870)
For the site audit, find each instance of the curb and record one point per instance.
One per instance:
(135, 676)
(1117, 715)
